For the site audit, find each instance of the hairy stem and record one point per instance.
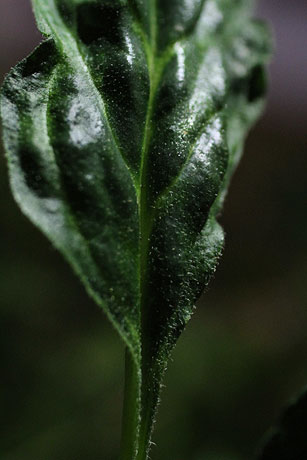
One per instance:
(131, 410)
(138, 411)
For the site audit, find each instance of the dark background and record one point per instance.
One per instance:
(244, 353)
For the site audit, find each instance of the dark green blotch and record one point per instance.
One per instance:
(42, 60)
(33, 172)
(95, 22)
(257, 83)
(67, 11)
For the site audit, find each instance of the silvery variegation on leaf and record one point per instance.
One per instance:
(122, 130)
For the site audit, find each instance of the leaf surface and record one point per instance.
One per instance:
(122, 130)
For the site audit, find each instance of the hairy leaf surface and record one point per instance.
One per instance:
(122, 130)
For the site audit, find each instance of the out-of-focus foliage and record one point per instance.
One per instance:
(245, 352)
(289, 439)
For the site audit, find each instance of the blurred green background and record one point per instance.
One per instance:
(243, 355)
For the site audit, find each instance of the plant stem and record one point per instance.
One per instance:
(144, 438)
(131, 410)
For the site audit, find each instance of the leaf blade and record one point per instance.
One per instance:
(45, 210)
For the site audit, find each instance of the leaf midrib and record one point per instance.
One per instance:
(144, 214)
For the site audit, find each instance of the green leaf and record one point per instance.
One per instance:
(122, 130)
(288, 441)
